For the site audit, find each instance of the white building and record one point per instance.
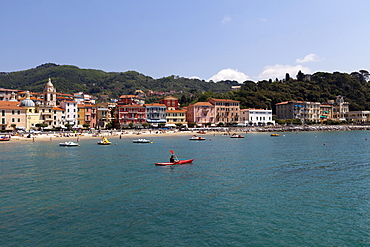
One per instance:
(70, 112)
(256, 117)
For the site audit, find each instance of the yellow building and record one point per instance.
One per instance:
(174, 117)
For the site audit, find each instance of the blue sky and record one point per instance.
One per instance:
(214, 39)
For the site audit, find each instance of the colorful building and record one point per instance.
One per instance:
(256, 117)
(226, 110)
(201, 114)
(155, 114)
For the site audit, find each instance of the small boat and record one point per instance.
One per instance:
(275, 135)
(104, 141)
(69, 144)
(180, 162)
(197, 138)
(4, 138)
(143, 141)
(236, 136)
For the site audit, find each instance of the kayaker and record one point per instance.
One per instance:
(173, 158)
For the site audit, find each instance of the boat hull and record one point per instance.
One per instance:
(174, 163)
(69, 144)
(104, 143)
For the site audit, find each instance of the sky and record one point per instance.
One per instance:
(206, 39)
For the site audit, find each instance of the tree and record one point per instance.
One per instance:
(300, 76)
(287, 77)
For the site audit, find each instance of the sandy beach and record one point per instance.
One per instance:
(151, 134)
(111, 135)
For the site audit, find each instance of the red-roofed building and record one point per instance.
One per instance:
(155, 114)
(134, 114)
(12, 115)
(130, 100)
(172, 103)
(201, 114)
(226, 110)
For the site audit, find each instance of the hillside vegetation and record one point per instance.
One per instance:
(319, 87)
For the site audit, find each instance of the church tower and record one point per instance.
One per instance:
(50, 96)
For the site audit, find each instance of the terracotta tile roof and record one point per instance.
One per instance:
(155, 104)
(10, 105)
(203, 104)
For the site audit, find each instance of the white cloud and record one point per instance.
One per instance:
(309, 58)
(279, 71)
(226, 19)
(229, 74)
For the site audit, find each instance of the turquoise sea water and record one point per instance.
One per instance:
(258, 191)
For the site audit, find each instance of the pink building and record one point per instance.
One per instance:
(201, 113)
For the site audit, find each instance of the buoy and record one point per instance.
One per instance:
(324, 144)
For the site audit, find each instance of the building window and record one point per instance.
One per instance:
(3, 113)
(12, 120)
(12, 112)
(19, 120)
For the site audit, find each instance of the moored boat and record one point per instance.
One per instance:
(236, 136)
(69, 144)
(104, 141)
(197, 138)
(143, 141)
(4, 138)
(174, 163)
(275, 135)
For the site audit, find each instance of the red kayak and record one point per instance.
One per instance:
(174, 163)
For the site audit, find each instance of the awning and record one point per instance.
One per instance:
(20, 127)
(170, 125)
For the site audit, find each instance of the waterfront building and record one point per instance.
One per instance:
(32, 116)
(256, 117)
(174, 117)
(90, 115)
(326, 112)
(340, 108)
(226, 110)
(303, 110)
(12, 115)
(358, 116)
(104, 114)
(201, 114)
(134, 114)
(71, 111)
(155, 114)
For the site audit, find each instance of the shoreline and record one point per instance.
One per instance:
(155, 133)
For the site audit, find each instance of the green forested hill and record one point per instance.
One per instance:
(319, 87)
(71, 79)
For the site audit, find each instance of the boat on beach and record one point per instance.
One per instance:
(69, 144)
(104, 141)
(4, 138)
(180, 162)
(142, 141)
(197, 138)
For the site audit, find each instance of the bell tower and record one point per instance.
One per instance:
(50, 96)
